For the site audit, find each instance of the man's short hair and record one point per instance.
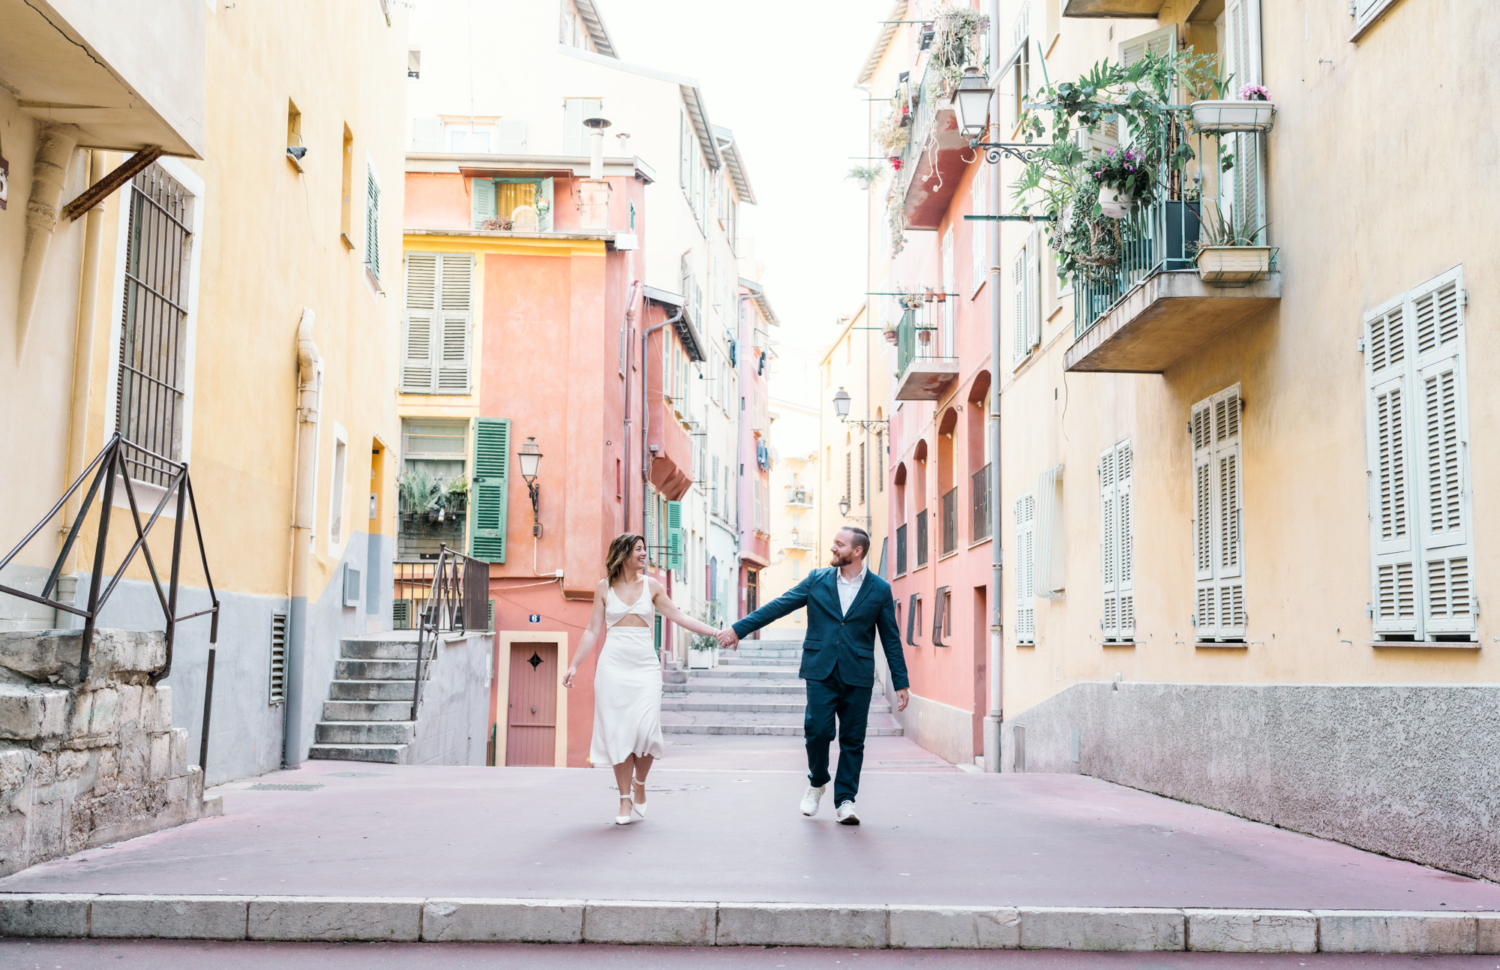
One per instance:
(861, 540)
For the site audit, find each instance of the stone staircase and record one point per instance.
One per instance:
(367, 716)
(754, 690)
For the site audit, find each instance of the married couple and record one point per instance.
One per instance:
(846, 605)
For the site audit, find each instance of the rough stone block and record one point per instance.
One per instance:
(1487, 939)
(130, 708)
(104, 712)
(13, 762)
(503, 920)
(801, 924)
(688, 924)
(1252, 931)
(78, 717)
(1369, 931)
(31, 653)
(30, 713)
(177, 758)
(161, 717)
(161, 757)
(1063, 928)
(45, 914)
(334, 918)
(170, 917)
(954, 927)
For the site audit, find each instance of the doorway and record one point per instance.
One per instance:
(531, 719)
(752, 595)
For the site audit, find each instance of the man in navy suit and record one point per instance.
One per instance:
(845, 606)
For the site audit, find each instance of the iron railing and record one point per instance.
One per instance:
(108, 469)
(950, 521)
(919, 335)
(922, 538)
(901, 549)
(979, 486)
(455, 600)
(798, 496)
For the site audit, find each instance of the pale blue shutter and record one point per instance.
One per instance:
(483, 201)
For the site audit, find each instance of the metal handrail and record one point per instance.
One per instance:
(457, 602)
(106, 467)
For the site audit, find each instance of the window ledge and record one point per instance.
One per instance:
(1425, 644)
(948, 555)
(1024, 643)
(1120, 644)
(979, 542)
(1211, 645)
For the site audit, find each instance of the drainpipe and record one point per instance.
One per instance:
(304, 512)
(996, 715)
(646, 410)
(54, 150)
(83, 359)
(635, 292)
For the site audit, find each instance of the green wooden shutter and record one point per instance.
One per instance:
(483, 201)
(491, 483)
(674, 535)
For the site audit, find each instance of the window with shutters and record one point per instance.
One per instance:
(1218, 522)
(1027, 309)
(491, 485)
(506, 203)
(437, 323)
(1117, 543)
(1241, 188)
(978, 233)
(1365, 13)
(372, 223)
(713, 500)
(575, 134)
(432, 510)
(675, 538)
(1025, 569)
(1421, 535)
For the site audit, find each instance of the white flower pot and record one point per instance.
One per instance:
(702, 659)
(1233, 265)
(1233, 116)
(1116, 204)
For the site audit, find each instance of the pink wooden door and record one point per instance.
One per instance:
(531, 725)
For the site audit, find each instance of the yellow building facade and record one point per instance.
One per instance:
(233, 307)
(852, 448)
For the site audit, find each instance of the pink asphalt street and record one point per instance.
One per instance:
(929, 836)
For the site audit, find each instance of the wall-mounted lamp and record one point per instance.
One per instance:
(530, 457)
(844, 506)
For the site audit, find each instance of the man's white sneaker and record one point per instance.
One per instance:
(811, 799)
(846, 814)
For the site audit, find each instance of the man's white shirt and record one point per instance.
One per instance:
(849, 588)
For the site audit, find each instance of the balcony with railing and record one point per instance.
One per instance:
(950, 522)
(922, 373)
(798, 496)
(979, 488)
(934, 161)
(1160, 301)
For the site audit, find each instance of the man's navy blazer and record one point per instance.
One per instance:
(833, 638)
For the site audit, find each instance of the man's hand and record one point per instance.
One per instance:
(902, 696)
(728, 638)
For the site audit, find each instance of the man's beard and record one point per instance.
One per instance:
(840, 559)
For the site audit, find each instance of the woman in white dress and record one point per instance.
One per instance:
(627, 680)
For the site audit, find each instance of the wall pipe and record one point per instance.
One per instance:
(996, 716)
(646, 409)
(635, 292)
(304, 515)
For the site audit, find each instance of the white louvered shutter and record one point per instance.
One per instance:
(418, 368)
(1240, 187)
(1161, 42)
(456, 281)
(482, 202)
(1034, 289)
(1050, 561)
(1125, 539)
(1108, 559)
(575, 135)
(1022, 345)
(1026, 569)
(1388, 423)
(714, 487)
(1443, 474)
(1218, 540)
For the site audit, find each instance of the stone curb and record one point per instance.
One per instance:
(857, 926)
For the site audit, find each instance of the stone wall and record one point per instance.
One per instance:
(453, 723)
(1408, 770)
(87, 763)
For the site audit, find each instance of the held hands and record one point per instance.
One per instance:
(728, 638)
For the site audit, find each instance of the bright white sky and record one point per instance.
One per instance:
(780, 73)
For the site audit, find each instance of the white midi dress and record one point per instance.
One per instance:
(627, 685)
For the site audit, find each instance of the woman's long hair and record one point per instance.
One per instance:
(621, 549)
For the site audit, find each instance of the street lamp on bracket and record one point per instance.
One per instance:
(841, 401)
(971, 101)
(530, 458)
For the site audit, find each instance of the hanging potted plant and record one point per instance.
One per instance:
(1253, 111)
(891, 331)
(1229, 252)
(1124, 181)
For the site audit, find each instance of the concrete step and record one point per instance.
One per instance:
(747, 672)
(375, 670)
(371, 690)
(366, 710)
(747, 650)
(388, 754)
(740, 685)
(360, 648)
(365, 732)
(733, 661)
(731, 703)
(784, 725)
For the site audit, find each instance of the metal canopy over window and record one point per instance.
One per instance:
(153, 331)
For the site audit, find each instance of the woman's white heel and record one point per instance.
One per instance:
(638, 807)
(622, 819)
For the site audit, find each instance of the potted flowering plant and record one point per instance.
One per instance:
(1124, 179)
(1252, 111)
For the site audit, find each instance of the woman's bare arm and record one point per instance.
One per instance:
(668, 609)
(591, 634)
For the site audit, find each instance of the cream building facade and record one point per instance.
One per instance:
(230, 307)
(852, 449)
(796, 488)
